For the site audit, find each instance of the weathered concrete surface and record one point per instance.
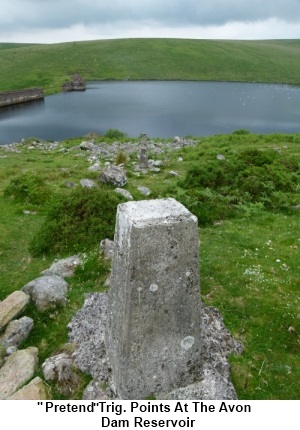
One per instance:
(153, 331)
(14, 97)
(12, 306)
(87, 335)
(17, 370)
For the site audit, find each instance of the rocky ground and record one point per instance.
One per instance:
(87, 345)
(87, 351)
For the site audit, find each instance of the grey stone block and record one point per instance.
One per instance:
(153, 331)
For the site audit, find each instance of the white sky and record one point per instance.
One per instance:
(53, 21)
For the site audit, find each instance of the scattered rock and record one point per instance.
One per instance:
(97, 390)
(35, 390)
(144, 190)
(16, 332)
(87, 332)
(47, 291)
(64, 268)
(94, 167)
(157, 163)
(88, 183)
(61, 370)
(114, 175)
(107, 248)
(173, 173)
(69, 184)
(124, 193)
(76, 83)
(17, 370)
(12, 306)
(26, 212)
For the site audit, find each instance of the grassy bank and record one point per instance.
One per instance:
(249, 262)
(49, 66)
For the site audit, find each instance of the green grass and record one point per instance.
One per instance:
(48, 66)
(249, 263)
(253, 279)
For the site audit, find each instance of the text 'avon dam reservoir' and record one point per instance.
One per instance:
(160, 109)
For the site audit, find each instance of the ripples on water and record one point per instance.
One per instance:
(160, 109)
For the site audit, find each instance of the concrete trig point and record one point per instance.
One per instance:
(154, 318)
(143, 152)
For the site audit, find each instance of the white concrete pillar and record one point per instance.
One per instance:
(154, 320)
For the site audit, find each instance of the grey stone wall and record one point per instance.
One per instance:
(14, 97)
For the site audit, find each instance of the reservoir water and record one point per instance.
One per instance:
(160, 109)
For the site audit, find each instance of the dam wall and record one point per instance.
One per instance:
(21, 96)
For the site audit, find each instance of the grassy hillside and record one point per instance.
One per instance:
(137, 59)
(250, 238)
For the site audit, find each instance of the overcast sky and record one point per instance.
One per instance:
(52, 21)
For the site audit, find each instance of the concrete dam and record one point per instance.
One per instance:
(21, 96)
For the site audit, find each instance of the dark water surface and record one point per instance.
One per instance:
(160, 109)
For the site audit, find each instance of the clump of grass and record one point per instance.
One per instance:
(27, 188)
(121, 157)
(216, 188)
(76, 221)
(241, 131)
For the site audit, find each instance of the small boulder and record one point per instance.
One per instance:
(94, 167)
(47, 291)
(107, 248)
(97, 390)
(173, 173)
(16, 332)
(114, 175)
(61, 370)
(88, 183)
(17, 370)
(64, 268)
(124, 193)
(35, 390)
(12, 306)
(87, 146)
(144, 190)
(87, 331)
(69, 184)
(157, 163)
